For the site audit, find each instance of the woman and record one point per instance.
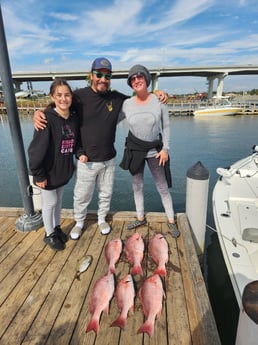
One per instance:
(147, 141)
(51, 159)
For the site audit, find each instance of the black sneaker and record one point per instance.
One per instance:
(60, 234)
(54, 242)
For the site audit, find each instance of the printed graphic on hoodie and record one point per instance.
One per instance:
(67, 144)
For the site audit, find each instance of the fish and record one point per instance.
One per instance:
(100, 297)
(134, 248)
(113, 251)
(82, 265)
(124, 296)
(158, 250)
(151, 296)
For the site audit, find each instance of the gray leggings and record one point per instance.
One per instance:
(158, 174)
(51, 208)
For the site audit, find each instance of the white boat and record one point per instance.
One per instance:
(29, 94)
(218, 106)
(235, 210)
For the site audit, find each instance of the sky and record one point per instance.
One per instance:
(67, 36)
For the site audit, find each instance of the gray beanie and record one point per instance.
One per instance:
(139, 69)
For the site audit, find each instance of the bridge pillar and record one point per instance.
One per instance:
(17, 85)
(154, 81)
(219, 89)
(210, 86)
(220, 84)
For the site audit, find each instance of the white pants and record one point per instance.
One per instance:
(88, 176)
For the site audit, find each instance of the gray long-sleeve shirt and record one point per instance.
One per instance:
(146, 121)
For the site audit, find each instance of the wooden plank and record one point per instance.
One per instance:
(92, 214)
(179, 329)
(15, 266)
(43, 303)
(6, 230)
(202, 322)
(43, 292)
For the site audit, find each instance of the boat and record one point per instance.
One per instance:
(217, 106)
(235, 211)
(29, 94)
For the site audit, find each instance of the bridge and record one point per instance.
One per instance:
(209, 72)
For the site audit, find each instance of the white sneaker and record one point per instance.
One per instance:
(104, 228)
(75, 233)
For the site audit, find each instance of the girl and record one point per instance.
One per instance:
(51, 159)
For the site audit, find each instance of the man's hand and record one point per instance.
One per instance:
(39, 120)
(162, 96)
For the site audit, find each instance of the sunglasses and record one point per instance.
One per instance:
(136, 76)
(99, 75)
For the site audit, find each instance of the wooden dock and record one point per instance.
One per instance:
(42, 302)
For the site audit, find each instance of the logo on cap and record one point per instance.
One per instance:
(101, 63)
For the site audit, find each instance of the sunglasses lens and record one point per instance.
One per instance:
(100, 75)
(136, 76)
(107, 76)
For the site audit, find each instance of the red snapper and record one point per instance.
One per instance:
(124, 296)
(134, 248)
(113, 251)
(151, 296)
(100, 297)
(158, 250)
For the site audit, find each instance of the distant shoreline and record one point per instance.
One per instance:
(185, 105)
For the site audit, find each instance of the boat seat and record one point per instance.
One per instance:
(248, 216)
(250, 234)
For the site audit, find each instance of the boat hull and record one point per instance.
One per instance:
(235, 210)
(217, 111)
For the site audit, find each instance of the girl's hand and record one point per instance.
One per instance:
(83, 159)
(42, 184)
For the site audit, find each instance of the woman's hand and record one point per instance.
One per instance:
(163, 157)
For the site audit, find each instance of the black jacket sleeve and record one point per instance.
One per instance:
(37, 151)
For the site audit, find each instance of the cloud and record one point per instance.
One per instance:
(55, 35)
(64, 16)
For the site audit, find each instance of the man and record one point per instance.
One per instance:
(100, 108)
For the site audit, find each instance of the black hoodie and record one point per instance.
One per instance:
(51, 150)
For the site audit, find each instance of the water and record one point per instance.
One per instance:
(215, 142)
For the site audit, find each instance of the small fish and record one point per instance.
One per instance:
(82, 265)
